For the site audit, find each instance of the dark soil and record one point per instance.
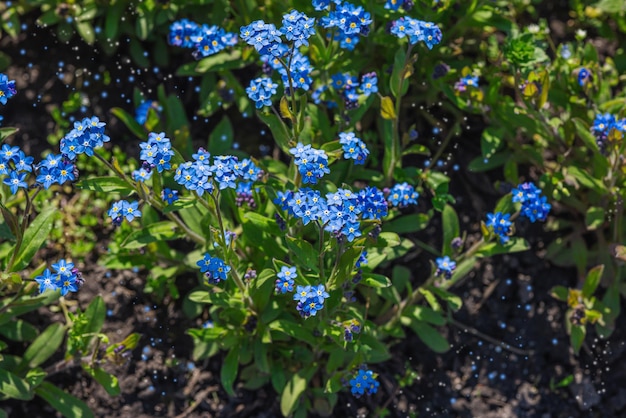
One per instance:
(509, 345)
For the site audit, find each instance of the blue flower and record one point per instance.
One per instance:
(524, 192)
(312, 163)
(285, 280)
(214, 268)
(500, 225)
(130, 211)
(417, 31)
(350, 21)
(364, 383)
(534, 205)
(353, 148)
(584, 76)
(402, 194)
(264, 37)
(298, 27)
(141, 113)
(369, 84)
(66, 279)
(84, 138)
(362, 259)
(469, 81)
(445, 266)
(7, 88)
(16, 181)
(261, 91)
(169, 196)
(47, 281)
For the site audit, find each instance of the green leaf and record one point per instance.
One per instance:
(263, 222)
(66, 404)
(130, 122)
(407, 223)
(454, 302)
(85, 30)
(426, 314)
(451, 229)
(14, 387)
(592, 281)
(375, 280)
(480, 164)
(34, 237)
(218, 62)
(491, 141)
(594, 218)
(515, 244)
(278, 128)
(304, 251)
(397, 82)
(587, 180)
(577, 336)
(293, 391)
(261, 288)
(18, 330)
(156, 232)
(106, 380)
(7, 132)
(228, 373)
(560, 293)
(221, 138)
(43, 347)
(106, 185)
(114, 13)
(260, 356)
(416, 149)
(387, 110)
(429, 335)
(95, 313)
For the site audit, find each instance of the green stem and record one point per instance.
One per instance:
(395, 141)
(233, 271)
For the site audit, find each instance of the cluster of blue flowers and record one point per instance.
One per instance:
(214, 268)
(445, 266)
(534, 205)
(402, 195)
(499, 224)
(7, 88)
(285, 281)
(17, 166)
(396, 4)
(156, 152)
(298, 27)
(348, 20)
(122, 209)
(339, 212)
(299, 68)
(364, 383)
(312, 163)
(261, 91)
(606, 126)
(349, 88)
(55, 169)
(65, 278)
(417, 31)
(310, 299)
(266, 39)
(87, 135)
(207, 40)
(200, 174)
(469, 81)
(353, 148)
